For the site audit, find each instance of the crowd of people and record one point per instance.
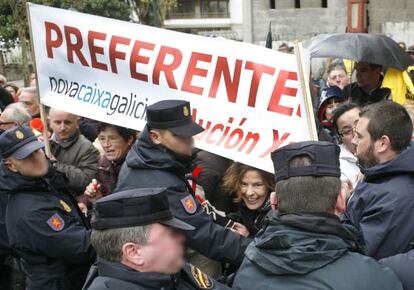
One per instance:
(113, 208)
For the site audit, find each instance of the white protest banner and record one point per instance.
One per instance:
(248, 98)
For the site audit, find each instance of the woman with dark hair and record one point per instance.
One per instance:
(116, 142)
(250, 188)
(5, 99)
(12, 89)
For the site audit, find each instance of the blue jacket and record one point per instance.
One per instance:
(402, 265)
(382, 206)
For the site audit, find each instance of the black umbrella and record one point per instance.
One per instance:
(371, 48)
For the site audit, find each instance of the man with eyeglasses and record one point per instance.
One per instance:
(337, 76)
(344, 120)
(14, 115)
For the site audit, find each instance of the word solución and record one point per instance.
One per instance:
(233, 137)
(131, 106)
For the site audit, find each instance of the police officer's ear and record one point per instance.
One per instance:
(155, 136)
(273, 200)
(10, 165)
(341, 201)
(133, 255)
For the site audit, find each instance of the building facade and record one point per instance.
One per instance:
(215, 18)
(302, 19)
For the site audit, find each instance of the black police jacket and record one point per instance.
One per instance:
(149, 165)
(110, 275)
(47, 230)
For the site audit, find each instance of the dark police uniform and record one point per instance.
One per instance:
(150, 165)
(120, 210)
(44, 224)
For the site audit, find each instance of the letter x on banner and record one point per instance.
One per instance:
(249, 99)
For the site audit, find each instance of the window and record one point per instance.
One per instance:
(184, 9)
(214, 8)
(289, 4)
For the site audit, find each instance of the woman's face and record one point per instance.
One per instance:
(113, 144)
(253, 190)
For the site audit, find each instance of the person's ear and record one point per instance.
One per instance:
(341, 201)
(133, 254)
(155, 137)
(273, 200)
(130, 141)
(383, 144)
(78, 121)
(10, 166)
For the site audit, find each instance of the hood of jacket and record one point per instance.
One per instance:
(297, 244)
(144, 154)
(12, 183)
(403, 164)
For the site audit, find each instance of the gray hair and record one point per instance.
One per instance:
(307, 194)
(29, 90)
(18, 114)
(108, 243)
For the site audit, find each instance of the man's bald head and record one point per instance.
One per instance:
(63, 124)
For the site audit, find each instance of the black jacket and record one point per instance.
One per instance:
(110, 275)
(310, 252)
(402, 265)
(382, 205)
(149, 165)
(252, 219)
(358, 96)
(4, 241)
(47, 230)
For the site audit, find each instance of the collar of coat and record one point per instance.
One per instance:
(146, 280)
(67, 142)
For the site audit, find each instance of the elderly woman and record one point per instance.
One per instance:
(116, 142)
(250, 188)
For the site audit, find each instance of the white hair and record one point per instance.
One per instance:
(18, 113)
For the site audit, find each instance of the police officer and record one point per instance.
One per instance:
(44, 225)
(140, 245)
(160, 158)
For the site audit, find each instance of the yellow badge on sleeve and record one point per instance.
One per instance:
(203, 281)
(19, 135)
(65, 206)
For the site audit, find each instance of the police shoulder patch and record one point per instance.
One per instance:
(56, 222)
(203, 281)
(189, 204)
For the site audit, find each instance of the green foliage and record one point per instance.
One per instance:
(13, 14)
